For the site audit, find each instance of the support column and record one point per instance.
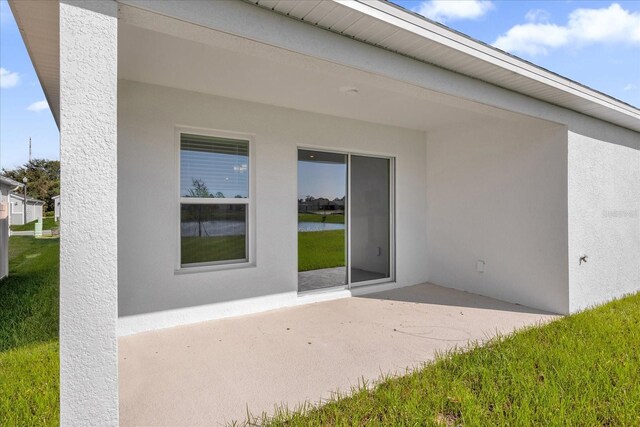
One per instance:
(88, 229)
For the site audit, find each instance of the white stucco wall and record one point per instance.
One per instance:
(89, 242)
(496, 192)
(604, 213)
(148, 209)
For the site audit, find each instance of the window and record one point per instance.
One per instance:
(214, 200)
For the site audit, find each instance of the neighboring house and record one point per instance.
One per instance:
(321, 205)
(183, 120)
(56, 208)
(6, 186)
(34, 209)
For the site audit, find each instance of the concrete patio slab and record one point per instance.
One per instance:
(212, 372)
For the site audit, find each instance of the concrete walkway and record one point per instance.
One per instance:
(210, 373)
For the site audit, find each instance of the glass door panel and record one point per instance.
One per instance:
(322, 247)
(370, 219)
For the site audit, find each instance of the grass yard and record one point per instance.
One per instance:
(321, 249)
(29, 384)
(47, 224)
(581, 370)
(329, 218)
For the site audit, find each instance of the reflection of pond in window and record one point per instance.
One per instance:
(213, 228)
(305, 227)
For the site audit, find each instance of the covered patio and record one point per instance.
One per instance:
(500, 177)
(212, 373)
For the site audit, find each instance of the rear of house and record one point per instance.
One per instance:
(235, 157)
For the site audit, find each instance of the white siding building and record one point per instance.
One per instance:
(188, 128)
(34, 209)
(6, 186)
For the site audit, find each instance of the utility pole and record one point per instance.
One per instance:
(24, 202)
(29, 149)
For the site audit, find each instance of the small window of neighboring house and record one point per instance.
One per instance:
(214, 200)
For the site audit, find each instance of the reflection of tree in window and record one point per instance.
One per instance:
(199, 189)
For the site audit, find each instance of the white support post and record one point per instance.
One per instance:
(88, 246)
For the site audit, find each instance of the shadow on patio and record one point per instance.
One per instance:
(433, 294)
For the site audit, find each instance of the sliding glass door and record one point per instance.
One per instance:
(344, 220)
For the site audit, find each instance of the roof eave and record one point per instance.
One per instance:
(40, 19)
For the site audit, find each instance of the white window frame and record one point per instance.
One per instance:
(248, 201)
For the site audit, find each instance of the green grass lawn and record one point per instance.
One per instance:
(321, 249)
(332, 219)
(581, 370)
(47, 224)
(29, 385)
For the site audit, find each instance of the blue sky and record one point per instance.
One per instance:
(20, 90)
(594, 42)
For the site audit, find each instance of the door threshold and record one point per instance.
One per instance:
(322, 290)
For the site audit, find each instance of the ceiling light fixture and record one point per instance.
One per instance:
(349, 90)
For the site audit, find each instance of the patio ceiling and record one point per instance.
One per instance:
(190, 57)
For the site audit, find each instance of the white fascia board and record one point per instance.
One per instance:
(391, 14)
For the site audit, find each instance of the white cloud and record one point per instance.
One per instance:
(533, 39)
(450, 10)
(8, 79)
(629, 87)
(584, 26)
(38, 106)
(537, 15)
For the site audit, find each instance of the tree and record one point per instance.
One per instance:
(43, 177)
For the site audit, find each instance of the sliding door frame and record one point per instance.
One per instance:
(392, 216)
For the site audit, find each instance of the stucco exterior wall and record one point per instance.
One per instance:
(496, 192)
(89, 242)
(148, 209)
(604, 213)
